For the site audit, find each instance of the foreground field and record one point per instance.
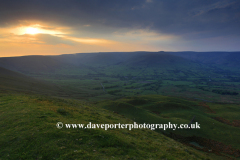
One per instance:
(28, 131)
(220, 124)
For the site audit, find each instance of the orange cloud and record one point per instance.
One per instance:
(44, 39)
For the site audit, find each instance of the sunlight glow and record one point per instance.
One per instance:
(31, 30)
(37, 29)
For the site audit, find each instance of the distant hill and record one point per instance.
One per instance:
(228, 59)
(96, 59)
(120, 60)
(233, 59)
(50, 64)
(155, 59)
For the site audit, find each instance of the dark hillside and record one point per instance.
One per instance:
(50, 64)
(203, 57)
(228, 59)
(11, 81)
(187, 74)
(31, 64)
(156, 59)
(233, 59)
(96, 59)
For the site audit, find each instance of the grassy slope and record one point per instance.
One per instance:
(28, 131)
(162, 109)
(28, 128)
(11, 81)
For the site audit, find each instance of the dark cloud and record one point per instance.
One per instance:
(187, 18)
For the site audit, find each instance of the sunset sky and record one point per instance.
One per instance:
(52, 27)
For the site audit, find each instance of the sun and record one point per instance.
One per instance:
(31, 30)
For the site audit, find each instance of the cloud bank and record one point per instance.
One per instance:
(160, 24)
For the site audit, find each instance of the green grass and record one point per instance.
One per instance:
(80, 73)
(188, 80)
(28, 131)
(157, 109)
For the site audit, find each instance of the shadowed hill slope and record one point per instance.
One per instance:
(32, 64)
(156, 59)
(51, 64)
(96, 59)
(228, 59)
(14, 81)
(125, 74)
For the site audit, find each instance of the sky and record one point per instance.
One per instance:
(53, 27)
